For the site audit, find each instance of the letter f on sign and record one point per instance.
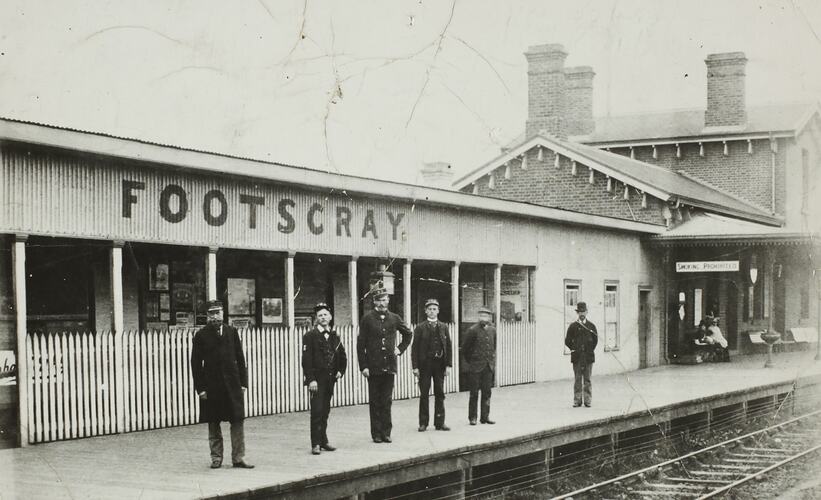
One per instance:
(129, 198)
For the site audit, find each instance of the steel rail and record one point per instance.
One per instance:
(681, 458)
(756, 474)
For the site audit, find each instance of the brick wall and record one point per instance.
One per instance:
(725, 89)
(742, 174)
(544, 184)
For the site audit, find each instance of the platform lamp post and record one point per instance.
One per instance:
(770, 336)
(817, 273)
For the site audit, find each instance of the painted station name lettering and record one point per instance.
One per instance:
(286, 224)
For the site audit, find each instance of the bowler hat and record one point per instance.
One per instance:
(581, 307)
(213, 305)
(485, 310)
(431, 302)
(320, 306)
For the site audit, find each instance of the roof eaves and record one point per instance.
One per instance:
(663, 141)
(566, 151)
(723, 209)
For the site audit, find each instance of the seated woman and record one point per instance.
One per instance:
(700, 342)
(717, 340)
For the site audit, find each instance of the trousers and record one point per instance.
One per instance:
(380, 391)
(237, 441)
(582, 387)
(435, 373)
(480, 380)
(321, 409)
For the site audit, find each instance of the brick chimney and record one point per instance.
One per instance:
(437, 175)
(725, 90)
(579, 100)
(546, 90)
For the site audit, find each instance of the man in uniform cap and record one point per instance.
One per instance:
(582, 338)
(221, 379)
(377, 350)
(323, 362)
(479, 350)
(431, 359)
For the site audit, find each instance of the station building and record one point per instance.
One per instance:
(734, 190)
(100, 233)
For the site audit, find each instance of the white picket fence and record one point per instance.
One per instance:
(515, 353)
(90, 384)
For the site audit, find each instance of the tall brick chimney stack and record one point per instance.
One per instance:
(725, 90)
(579, 100)
(546, 90)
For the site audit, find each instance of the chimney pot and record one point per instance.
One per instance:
(726, 105)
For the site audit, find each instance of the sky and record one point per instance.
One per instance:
(375, 88)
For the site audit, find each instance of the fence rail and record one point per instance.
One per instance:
(91, 384)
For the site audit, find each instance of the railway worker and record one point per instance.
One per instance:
(377, 350)
(323, 362)
(221, 379)
(431, 354)
(479, 350)
(582, 338)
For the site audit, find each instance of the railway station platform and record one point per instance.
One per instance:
(531, 418)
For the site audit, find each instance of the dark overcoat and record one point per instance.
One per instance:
(377, 340)
(421, 350)
(322, 359)
(582, 341)
(479, 348)
(218, 367)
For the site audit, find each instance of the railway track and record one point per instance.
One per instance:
(716, 469)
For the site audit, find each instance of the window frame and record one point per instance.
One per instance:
(617, 307)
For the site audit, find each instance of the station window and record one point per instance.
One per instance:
(572, 296)
(611, 316)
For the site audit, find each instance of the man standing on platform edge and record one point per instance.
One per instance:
(431, 359)
(323, 362)
(582, 339)
(221, 379)
(377, 350)
(479, 350)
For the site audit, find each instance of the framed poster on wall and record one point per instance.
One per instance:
(271, 310)
(241, 296)
(158, 277)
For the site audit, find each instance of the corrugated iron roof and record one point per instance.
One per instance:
(677, 185)
(708, 226)
(690, 123)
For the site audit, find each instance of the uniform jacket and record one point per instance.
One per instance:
(422, 348)
(377, 340)
(479, 347)
(218, 368)
(582, 341)
(322, 358)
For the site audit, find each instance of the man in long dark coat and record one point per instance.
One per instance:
(479, 350)
(582, 338)
(221, 379)
(323, 362)
(377, 350)
(431, 354)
